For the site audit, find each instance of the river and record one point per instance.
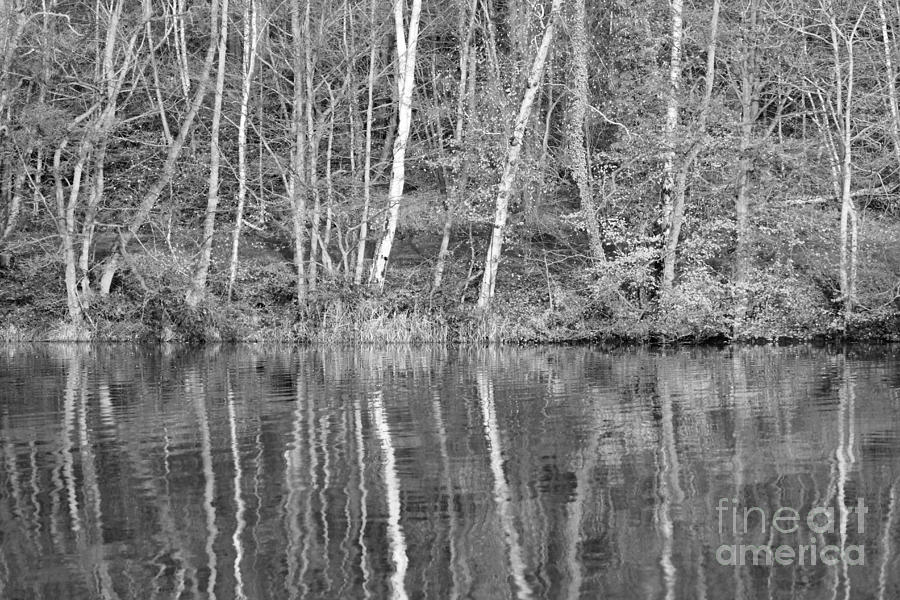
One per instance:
(256, 472)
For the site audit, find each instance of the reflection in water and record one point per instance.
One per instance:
(396, 540)
(254, 472)
(501, 487)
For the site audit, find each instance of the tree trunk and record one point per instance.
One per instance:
(247, 63)
(297, 190)
(367, 161)
(511, 163)
(578, 152)
(891, 82)
(315, 137)
(198, 284)
(148, 201)
(671, 247)
(406, 57)
(464, 100)
(749, 101)
(65, 217)
(672, 111)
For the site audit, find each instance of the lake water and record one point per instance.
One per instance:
(257, 472)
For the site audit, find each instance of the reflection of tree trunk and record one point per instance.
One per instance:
(198, 393)
(845, 459)
(664, 517)
(324, 430)
(294, 484)
(92, 499)
(363, 495)
(396, 538)
(588, 459)
(887, 549)
(502, 495)
(449, 490)
(738, 388)
(238, 496)
(72, 378)
(309, 553)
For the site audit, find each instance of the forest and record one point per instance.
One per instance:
(471, 170)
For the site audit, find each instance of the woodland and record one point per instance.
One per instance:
(470, 170)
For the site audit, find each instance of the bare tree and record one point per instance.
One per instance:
(674, 231)
(511, 163)
(148, 200)
(673, 109)
(198, 284)
(407, 41)
(367, 164)
(248, 63)
(578, 152)
(296, 189)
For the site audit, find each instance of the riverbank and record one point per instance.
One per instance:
(408, 317)
(548, 290)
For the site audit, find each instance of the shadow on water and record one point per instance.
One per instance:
(255, 472)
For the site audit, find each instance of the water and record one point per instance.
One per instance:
(255, 472)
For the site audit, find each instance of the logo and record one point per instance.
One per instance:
(814, 525)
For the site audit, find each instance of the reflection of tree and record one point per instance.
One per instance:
(196, 389)
(396, 539)
(844, 458)
(887, 550)
(549, 472)
(502, 496)
(240, 507)
(587, 463)
(450, 491)
(293, 483)
(363, 515)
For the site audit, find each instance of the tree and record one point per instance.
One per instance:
(250, 39)
(578, 152)
(749, 105)
(673, 109)
(167, 172)
(406, 57)
(681, 177)
(296, 190)
(367, 165)
(198, 284)
(511, 162)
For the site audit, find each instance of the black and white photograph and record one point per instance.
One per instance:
(458, 299)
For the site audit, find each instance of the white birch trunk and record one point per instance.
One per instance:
(296, 190)
(890, 77)
(674, 232)
(672, 112)
(510, 165)
(406, 56)
(367, 166)
(148, 201)
(248, 64)
(198, 284)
